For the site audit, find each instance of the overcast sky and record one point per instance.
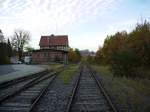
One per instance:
(86, 22)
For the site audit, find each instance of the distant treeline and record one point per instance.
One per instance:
(127, 54)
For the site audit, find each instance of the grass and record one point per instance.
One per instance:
(131, 94)
(54, 66)
(67, 74)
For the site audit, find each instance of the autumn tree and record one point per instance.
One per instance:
(74, 56)
(19, 40)
(99, 58)
(112, 45)
(71, 55)
(139, 42)
(127, 53)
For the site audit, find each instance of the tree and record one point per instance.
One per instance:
(74, 55)
(125, 63)
(78, 55)
(112, 45)
(139, 42)
(29, 49)
(4, 59)
(19, 40)
(2, 39)
(127, 54)
(71, 55)
(99, 58)
(9, 48)
(90, 59)
(4, 50)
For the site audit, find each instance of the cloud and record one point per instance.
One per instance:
(60, 12)
(95, 39)
(48, 16)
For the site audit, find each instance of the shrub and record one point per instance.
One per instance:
(125, 63)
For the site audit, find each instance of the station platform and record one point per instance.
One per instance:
(10, 72)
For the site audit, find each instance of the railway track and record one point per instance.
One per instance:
(22, 79)
(10, 87)
(88, 95)
(25, 98)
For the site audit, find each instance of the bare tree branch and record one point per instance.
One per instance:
(19, 40)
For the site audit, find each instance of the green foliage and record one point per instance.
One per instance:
(29, 49)
(5, 50)
(4, 56)
(74, 55)
(126, 53)
(112, 45)
(124, 63)
(90, 59)
(99, 58)
(139, 41)
(2, 39)
(9, 48)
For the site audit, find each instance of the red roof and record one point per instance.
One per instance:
(53, 40)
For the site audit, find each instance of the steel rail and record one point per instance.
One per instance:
(26, 86)
(75, 88)
(103, 91)
(41, 94)
(6, 84)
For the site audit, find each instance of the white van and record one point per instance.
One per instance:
(27, 59)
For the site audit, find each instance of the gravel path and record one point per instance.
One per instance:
(56, 98)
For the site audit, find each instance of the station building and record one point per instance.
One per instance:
(53, 48)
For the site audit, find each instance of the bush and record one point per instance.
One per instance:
(125, 63)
